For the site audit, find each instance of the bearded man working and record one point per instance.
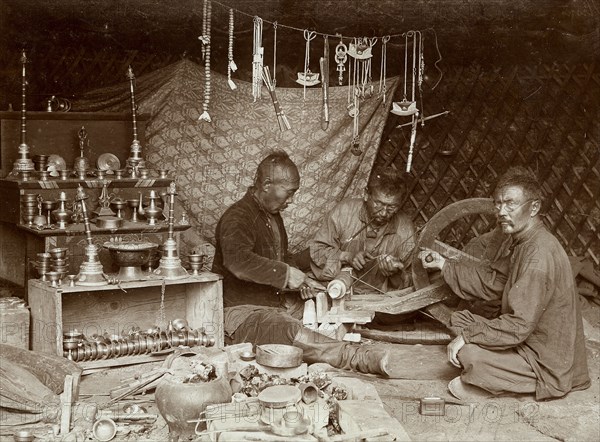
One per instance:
(536, 343)
(251, 254)
(371, 235)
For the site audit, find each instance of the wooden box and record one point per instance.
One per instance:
(112, 309)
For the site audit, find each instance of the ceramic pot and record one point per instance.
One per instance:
(178, 403)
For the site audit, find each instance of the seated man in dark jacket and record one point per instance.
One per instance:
(251, 254)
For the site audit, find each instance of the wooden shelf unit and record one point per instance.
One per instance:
(57, 133)
(114, 309)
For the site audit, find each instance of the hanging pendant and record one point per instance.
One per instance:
(341, 57)
(361, 49)
(404, 108)
(308, 78)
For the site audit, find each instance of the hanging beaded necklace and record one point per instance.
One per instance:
(205, 38)
(231, 66)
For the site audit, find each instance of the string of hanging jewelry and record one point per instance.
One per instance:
(205, 38)
(231, 66)
(257, 58)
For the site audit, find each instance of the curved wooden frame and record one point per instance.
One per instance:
(438, 222)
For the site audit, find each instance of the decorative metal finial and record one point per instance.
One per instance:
(170, 265)
(135, 160)
(23, 163)
(90, 271)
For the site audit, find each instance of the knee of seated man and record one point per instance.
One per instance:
(471, 354)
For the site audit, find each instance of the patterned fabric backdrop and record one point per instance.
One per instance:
(214, 163)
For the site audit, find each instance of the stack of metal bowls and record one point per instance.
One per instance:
(42, 264)
(59, 262)
(29, 207)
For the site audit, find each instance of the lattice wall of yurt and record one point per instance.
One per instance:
(544, 117)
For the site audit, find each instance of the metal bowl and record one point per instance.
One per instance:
(108, 222)
(130, 253)
(58, 252)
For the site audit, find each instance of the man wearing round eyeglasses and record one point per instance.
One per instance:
(535, 344)
(371, 235)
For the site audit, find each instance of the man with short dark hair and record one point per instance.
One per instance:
(536, 343)
(371, 235)
(251, 254)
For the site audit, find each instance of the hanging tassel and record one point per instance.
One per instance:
(324, 64)
(257, 58)
(413, 137)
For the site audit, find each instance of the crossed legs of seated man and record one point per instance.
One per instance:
(273, 326)
(488, 373)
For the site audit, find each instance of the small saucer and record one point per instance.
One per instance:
(247, 356)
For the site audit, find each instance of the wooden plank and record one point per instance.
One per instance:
(441, 312)
(152, 281)
(115, 311)
(204, 308)
(66, 401)
(427, 337)
(89, 366)
(46, 318)
(362, 316)
(416, 300)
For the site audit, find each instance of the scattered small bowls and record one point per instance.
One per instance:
(104, 429)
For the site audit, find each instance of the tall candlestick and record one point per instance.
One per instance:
(90, 271)
(23, 163)
(170, 265)
(135, 160)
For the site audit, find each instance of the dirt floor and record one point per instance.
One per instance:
(573, 418)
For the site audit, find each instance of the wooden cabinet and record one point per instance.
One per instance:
(57, 133)
(112, 309)
(19, 243)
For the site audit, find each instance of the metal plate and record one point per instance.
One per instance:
(108, 161)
